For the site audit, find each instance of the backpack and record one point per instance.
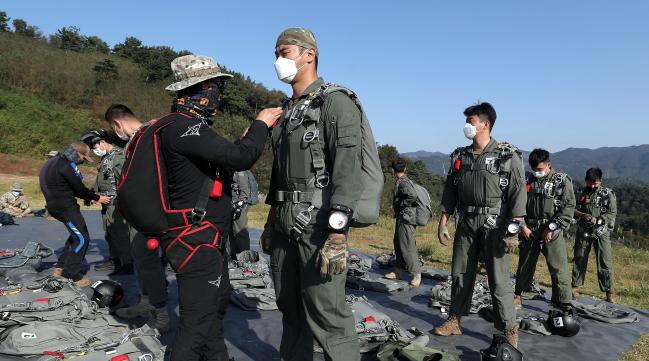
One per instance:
(142, 196)
(423, 209)
(6, 219)
(368, 205)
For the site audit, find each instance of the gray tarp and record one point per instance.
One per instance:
(256, 335)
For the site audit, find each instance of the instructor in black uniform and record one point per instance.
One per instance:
(61, 184)
(197, 160)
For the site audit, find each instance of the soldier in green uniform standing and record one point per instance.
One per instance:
(313, 191)
(550, 208)
(486, 186)
(116, 228)
(405, 245)
(239, 240)
(595, 214)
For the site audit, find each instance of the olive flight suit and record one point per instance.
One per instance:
(487, 190)
(550, 200)
(239, 240)
(599, 204)
(405, 246)
(117, 230)
(312, 306)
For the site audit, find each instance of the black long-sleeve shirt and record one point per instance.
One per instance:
(61, 185)
(192, 152)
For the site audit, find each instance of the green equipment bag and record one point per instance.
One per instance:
(254, 299)
(249, 270)
(402, 351)
(251, 282)
(374, 328)
(378, 284)
(42, 338)
(45, 300)
(30, 256)
(423, 209)
(140, 344)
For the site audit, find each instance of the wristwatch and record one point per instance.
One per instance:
(514, 227)
(553, 226)
(339, 218)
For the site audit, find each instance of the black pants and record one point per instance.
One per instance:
(76, 245)
(203, 293)
(150, 272)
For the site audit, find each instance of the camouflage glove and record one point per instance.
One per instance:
(332, 258)
(511, 243)
(264, 239)
(443, 235)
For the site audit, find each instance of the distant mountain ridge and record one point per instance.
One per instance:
(616, 162)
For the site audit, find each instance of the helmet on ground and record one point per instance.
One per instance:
(107, 293)
(500, 350)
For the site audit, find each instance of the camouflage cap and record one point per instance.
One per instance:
(193, 69)
(16, 187)
(297, 36)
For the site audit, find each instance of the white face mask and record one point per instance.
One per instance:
(470, 131)
(99, 152)
(123, 137)
(16, 194)
(286, 69)
(539, 174)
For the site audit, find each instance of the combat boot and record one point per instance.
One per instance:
(450, 327)
(610, 296)
(142, 309)
(416, 280)
(575, 293)
(57, 272)
(518, 302)
(160, 320)
(394, 275)
(512, 336)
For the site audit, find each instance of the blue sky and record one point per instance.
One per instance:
(560, 73)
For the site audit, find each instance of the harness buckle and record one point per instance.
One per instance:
(311, 135)
(302, 220)
(197, 215)
(322, 180)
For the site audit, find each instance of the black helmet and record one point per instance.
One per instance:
(563, 324)
(500, 350)
(93, 137)
(107, 293)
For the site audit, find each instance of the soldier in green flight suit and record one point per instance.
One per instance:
(117, 230)
(486, 186)
(550, 208)
(313, 191)
(595, 214)
(405, 245)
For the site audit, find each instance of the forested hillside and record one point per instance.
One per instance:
(54, 87)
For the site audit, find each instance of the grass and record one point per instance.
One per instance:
(631, 264)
